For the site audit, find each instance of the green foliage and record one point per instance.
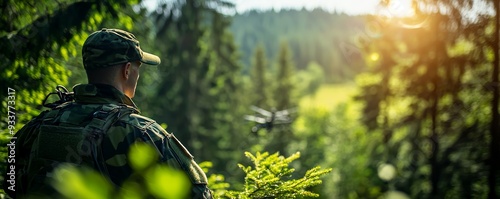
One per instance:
(141, 156)
(418, 94)
(268, 178)
(216, 182)
(312, 133)
(82, 183)
(335, 138)
(310, 79)
(148, 180)
(358, 154)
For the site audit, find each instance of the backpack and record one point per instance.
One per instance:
(80, 143)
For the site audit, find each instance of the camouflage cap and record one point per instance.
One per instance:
(109, 47)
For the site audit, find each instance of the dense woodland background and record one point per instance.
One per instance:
(405, 106)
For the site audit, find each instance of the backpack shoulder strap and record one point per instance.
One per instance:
(98, 126)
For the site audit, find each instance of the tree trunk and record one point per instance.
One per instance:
(435, 97)
(495, 119)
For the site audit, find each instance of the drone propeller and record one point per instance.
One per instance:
(282, 120)
(255, 119)
(286, 112)
(267, 119)
(261, 111)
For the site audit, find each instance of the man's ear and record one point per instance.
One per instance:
(126, 70)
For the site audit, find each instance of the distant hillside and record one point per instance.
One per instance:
(317, 35)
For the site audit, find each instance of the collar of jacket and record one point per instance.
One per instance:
(101, 94)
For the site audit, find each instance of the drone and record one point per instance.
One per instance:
(268, 119)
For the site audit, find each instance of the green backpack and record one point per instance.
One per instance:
(80, 140)
(81, 144)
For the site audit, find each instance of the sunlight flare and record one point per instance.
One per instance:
(374, 57)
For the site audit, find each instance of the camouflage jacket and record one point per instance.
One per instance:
(115, 143)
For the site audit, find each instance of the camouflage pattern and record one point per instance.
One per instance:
(109, 47)
(43, 151)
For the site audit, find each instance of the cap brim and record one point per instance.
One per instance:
(150, 59)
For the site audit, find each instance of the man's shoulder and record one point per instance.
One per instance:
(138, 120)
(135, 126)
(142, 122)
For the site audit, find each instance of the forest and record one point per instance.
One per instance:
(371, 106)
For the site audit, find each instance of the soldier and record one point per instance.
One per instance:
(97, 124)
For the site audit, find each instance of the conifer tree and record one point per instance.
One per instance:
(284, 93)
(284, 97)
(199, 90)
(260, 83)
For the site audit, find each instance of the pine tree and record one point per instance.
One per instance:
(260, 82)
(284, 93)
(199, 93)
(270, 178)
(284, 98)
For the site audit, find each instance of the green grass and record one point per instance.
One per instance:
(329, 96)
(324, 102)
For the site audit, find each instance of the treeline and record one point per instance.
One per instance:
(313, 36)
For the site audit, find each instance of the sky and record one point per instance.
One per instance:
(347, 6)
(352, 7)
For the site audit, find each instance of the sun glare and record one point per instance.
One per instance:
(374, 57)
(396, 8)
(402, 13)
